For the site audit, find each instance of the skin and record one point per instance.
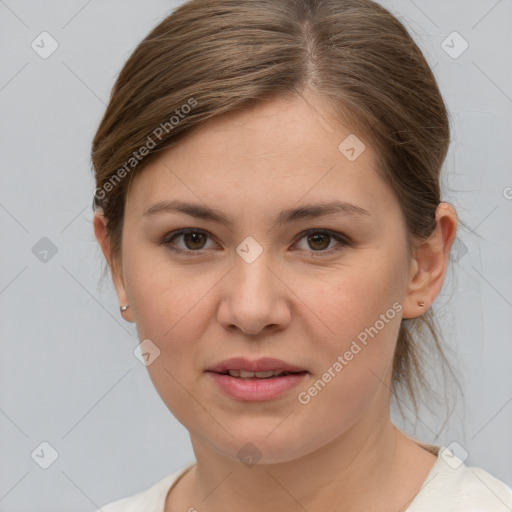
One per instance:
(292, 303)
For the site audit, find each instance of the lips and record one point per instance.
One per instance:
(243, 374)
(256, 386)
(256, 380)
(239, 366)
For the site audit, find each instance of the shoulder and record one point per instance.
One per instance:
(453, 486)
(478, 490)
(152, 498)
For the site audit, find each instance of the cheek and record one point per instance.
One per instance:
(337, 405)
(167, 299)
(354, 355)
(170, 310)
(355, 370)
(350, 300)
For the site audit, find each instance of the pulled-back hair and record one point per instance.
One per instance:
(211, 57)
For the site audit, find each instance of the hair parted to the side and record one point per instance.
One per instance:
(218, 56)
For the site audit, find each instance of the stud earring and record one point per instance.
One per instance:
(421, 303)
(124, 308)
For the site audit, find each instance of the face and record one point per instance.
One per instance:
(323, 293)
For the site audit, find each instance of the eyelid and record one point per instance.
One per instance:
(179, 232)
(343, 239)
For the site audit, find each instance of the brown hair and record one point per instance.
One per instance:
(217, 56)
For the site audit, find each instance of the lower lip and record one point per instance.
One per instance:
(257, 390)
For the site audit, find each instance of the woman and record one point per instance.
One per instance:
(268, 202)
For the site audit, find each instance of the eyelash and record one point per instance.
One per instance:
(342, 239)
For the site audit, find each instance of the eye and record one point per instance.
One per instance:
(194, 240)
(319, 240)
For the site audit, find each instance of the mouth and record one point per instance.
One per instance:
(265, 367)
(256, 380)
(247, 375)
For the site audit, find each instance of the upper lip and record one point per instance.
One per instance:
(257, 365)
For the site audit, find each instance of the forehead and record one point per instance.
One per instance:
(276, 152)
(277, 130)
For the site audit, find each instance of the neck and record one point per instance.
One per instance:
(362, 469)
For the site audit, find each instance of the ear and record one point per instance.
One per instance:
(116, 267)
(429, 263)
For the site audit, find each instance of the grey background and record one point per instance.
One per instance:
(68, 374)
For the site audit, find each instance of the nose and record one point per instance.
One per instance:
(254, 298)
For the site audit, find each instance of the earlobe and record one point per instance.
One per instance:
(430, 262)
(101, 232)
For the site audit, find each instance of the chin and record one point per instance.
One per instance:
(261, 443)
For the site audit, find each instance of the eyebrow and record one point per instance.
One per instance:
(286, 216)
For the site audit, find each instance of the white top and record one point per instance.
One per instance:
(450, 486)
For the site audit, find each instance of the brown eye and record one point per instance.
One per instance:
(186, 241)
(194, 241)
(322, 241)
(319, 241)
